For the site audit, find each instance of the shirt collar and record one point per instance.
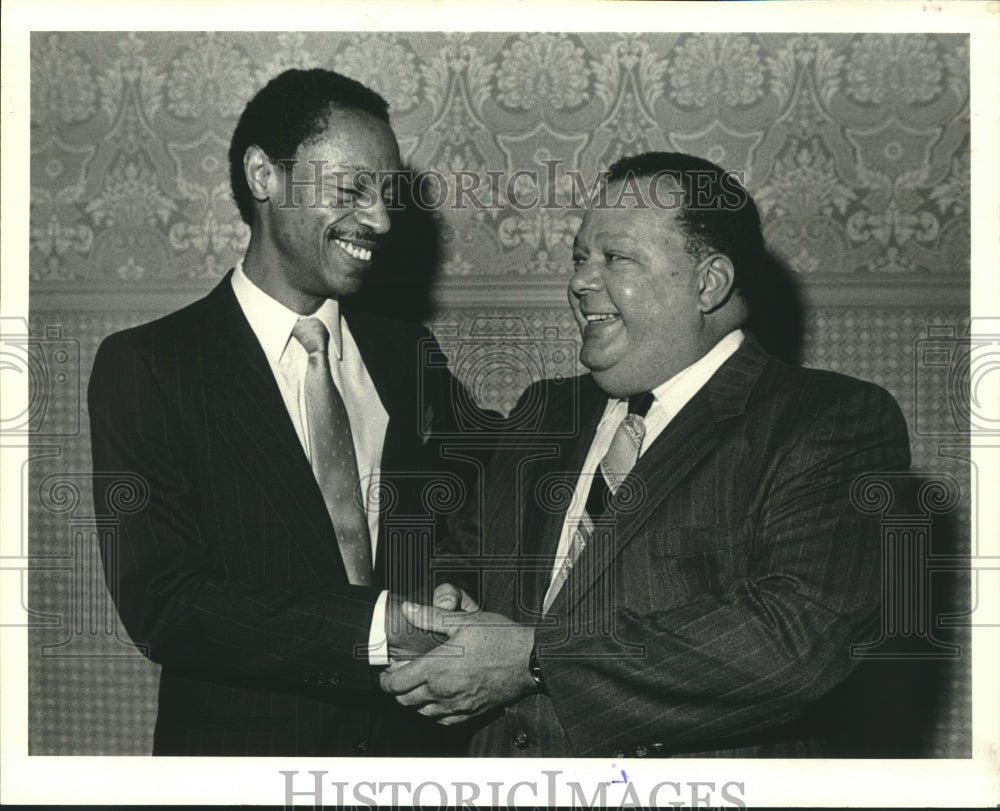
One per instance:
(272, 322)
(686, 383)
(673, 394)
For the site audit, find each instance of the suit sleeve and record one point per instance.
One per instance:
(172, 593)
(773, 642)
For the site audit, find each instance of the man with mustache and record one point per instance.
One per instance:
(258, 425)
(700, 592)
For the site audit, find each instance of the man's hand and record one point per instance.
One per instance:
(404, 639)
(483, 665)
(452, 598)
(407, 641)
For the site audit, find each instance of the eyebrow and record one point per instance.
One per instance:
(357, 169)
(375, 178)
(615, 235)
(341, 172)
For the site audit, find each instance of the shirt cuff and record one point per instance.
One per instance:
(378, 645)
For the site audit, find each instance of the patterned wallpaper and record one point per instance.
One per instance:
(855, 146)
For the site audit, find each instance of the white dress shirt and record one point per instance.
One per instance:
(272, 322)
(668, 399)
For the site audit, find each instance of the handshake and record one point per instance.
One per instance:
(450, 661)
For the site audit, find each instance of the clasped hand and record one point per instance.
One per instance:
(482, 664)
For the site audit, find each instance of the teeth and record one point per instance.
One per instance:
(595, 317)
(364, 254)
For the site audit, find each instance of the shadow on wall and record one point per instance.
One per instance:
(896, 702)
(406, 267)
(777, 312)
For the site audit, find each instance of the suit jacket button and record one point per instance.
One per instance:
(641, 751)
(521, 740)
(361, 745)
(618, 753)
(656, 748)
(333, 679)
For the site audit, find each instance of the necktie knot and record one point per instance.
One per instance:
(639, 404)
(312, 334)
(621, 454)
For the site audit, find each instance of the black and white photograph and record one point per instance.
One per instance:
(572, 404)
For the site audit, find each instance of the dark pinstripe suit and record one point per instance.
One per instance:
(231, 575)
(718, 614)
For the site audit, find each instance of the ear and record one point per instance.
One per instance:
(260, 174)
(715, 282)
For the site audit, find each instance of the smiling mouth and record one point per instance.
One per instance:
(601, 318)
(355, 251)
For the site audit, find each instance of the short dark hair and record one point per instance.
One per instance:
(718, 214)
(290, 109)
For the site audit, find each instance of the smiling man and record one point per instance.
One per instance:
(253, 564)
(700, 591)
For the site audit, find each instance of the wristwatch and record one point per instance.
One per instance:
(535, 669)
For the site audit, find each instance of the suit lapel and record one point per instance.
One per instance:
(690, 436)
(243, 400)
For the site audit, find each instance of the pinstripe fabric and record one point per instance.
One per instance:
(231, 575)
(715, 618)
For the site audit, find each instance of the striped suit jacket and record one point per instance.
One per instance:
(227, 571)
(714, 618)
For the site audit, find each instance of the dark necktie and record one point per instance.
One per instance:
(611, 472)
(334, 461)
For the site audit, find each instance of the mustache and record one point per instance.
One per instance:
(363, 236)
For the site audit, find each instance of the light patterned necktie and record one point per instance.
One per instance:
(611, 472)
(334, 461)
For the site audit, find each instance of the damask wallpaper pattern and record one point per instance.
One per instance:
(855, 146)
